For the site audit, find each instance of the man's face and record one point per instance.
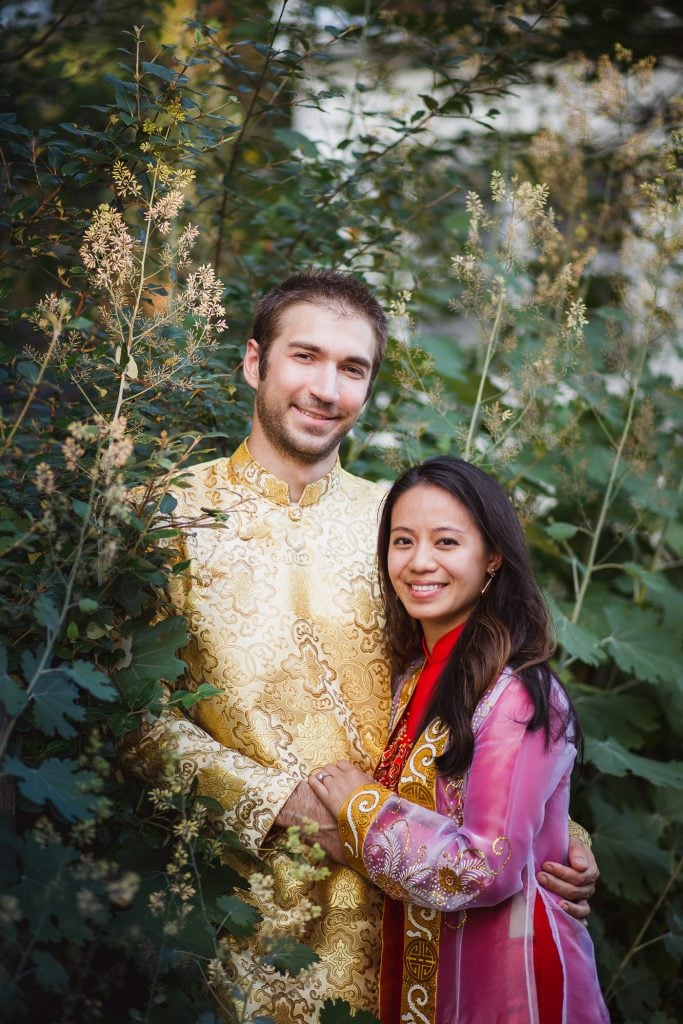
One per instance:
(316, 381)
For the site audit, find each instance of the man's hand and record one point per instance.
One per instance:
(575, 883)
(304, 806)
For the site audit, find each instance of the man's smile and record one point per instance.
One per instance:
(315, 414)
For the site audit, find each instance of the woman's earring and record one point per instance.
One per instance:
(489, 581)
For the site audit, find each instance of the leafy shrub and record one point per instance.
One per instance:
(534, 328)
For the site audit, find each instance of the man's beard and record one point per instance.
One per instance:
(273, 426)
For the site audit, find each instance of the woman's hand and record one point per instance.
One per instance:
(335, 782)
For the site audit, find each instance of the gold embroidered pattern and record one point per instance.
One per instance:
(420, 962)
(423, 925)
(287, 624)
(355, 817)
(420, 959)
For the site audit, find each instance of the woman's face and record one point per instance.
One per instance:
(438, 561)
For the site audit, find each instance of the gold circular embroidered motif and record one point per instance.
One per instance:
(449, 880)
(420, 959)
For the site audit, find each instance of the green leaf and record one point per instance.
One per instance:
(520, 23)
(294, 140)
(625, 844)
(61, 782)
(637, 993)
(611, 757)
(144, 695)
(79, 323)
(237, 916)
(49, 974)
(42, 882)
(211, 804)
(641, 646)
(290, 957)
(167, 504)
(576, 640)
(656, 581)
(338, 1011)
(30, 663)
(153, 652)
(674, 940)
(230, 839)
(81, 508)
(46, 613)
(561, 531)
(188, 698)
(92, 679)
(181, 566)
(88, 605)
(12, 696)
(55, 698)
(626, 717)
(159, 71)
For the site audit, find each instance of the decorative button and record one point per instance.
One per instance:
(295, 513)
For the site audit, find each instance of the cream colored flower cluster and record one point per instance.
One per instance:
(108, 250)
(202, 296)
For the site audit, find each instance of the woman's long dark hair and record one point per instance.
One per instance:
(509, 625)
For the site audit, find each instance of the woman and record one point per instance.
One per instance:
(472, 792)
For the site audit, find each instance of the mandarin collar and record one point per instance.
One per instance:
(245, 466)
(443, 646)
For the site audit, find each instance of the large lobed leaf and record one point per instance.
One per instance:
(290, 957)
(62, 783)
(576, 640)
(632, 865)
(153, 650)
(611, 757)
(337, 1011)
(641, 646)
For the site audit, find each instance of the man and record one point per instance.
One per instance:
(284, 616)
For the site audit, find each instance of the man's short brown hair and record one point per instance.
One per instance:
(321, 288)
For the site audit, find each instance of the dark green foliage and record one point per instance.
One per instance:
(580, 425)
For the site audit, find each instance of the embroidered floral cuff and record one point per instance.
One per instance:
(356, 817)
(577, 831)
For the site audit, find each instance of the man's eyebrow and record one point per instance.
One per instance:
(309, 346)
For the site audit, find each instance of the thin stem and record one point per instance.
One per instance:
(358, 66)
(53, 636)
(636, 944)
(493, 337)
(128, 348)
(56, 334)
(611, 486)
(655, 563)
(45, 36)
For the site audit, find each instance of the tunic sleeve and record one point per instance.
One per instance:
(250, 793)
(425, 857)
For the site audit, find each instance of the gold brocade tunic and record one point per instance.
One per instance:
(283, 609)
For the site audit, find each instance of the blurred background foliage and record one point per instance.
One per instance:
(535, 330)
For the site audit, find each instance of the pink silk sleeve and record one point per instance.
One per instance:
(425, 857)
